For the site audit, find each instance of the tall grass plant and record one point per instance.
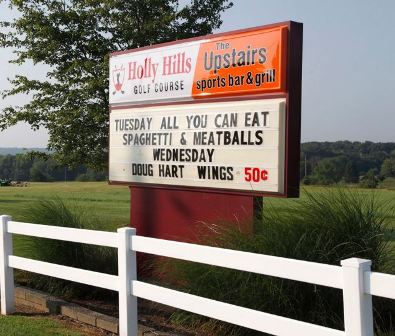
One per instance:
(323, 227)
(95, 258)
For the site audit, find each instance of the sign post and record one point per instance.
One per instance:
(201, 129)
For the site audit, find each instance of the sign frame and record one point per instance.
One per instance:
(292, 95)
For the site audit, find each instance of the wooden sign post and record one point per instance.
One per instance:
(201, 129)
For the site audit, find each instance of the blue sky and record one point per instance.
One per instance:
(348, 67)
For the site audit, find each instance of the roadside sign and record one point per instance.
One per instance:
(219, 113)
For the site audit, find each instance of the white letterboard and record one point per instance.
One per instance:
(223, 145)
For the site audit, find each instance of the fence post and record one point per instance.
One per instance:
(6, 273)
(126, 273)
(358, 311)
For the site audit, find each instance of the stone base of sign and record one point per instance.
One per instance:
(43, 302)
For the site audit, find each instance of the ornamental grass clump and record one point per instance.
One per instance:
(323, 227)
(95, 258)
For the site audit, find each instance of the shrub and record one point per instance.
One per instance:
(82, 178)
(91, 175)
(370, 180)
(95, 258)
(324, 227)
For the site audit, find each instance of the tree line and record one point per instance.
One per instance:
(26, 167)
(322, 163)
(347, 162)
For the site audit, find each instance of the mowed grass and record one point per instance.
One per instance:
(109, 204)
(33, 326)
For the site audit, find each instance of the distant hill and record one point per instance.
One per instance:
(18, 150)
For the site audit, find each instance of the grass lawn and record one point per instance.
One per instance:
(111, 203)
(33, 326)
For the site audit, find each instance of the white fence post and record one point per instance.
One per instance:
(6, 273)
(126, 273)
(358, 311)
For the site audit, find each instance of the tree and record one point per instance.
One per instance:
(74, 38)
(39, 172)
(370, 180)
(22, 166)
(7, 167)
(350, 173)
(388, 168)
(330, 170)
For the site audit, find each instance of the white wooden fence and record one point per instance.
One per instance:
(353, 277)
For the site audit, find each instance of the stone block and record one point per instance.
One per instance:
(86, 316)
(37, 298)
(69, 310)
(20, 293)
(108, 323)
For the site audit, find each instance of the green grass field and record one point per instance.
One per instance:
(33, 326)
(111, 204)
(108, 203)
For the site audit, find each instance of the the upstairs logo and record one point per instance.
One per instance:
(118, 78)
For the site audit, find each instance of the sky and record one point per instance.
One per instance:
(348, 67)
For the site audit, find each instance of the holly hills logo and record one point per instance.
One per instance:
(118, 78)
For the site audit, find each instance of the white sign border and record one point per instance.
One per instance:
(252, 100)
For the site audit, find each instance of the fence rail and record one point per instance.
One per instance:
(269, 323)
(93, 237)
(353, 277)
(96, 279)
(315, 273)
(380, 284)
